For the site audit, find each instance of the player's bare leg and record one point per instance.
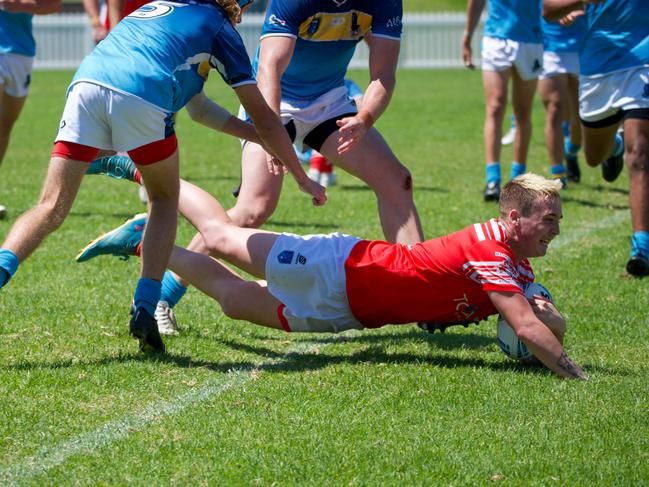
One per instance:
(522, 102)
(233, 293)
(372, 160)
(554, 95)
(599, 143)
(495, 92)
(161, 181)
(10, 108)
(61, 185)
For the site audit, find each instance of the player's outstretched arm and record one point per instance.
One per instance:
(274, 136)
(538, 337)
(384, 55)
(203, 110)
(36, 7)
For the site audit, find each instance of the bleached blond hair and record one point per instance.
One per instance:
(524, 192)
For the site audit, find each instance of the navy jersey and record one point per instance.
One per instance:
(326, 34)
(163, 52)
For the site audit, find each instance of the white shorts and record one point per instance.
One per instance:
(601, 97)
(503, 54)
(307, 274)
(307, 115)
(15, 74)
(556, 63)
(102, 118)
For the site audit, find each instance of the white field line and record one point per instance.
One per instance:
(587, 230)
(49, 457)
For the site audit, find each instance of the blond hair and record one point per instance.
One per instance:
(232, 9)
(524, 192)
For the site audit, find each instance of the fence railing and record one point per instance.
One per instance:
(430, 40)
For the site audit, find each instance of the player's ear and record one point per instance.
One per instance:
(514, 216)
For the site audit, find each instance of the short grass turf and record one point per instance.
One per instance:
(234, 404)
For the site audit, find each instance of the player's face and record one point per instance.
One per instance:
(537, 230)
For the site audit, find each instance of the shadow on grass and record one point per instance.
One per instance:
(592, 204)
(606, 188)
(119, 215)
(198, 179)
(324, 226)
(311, 358)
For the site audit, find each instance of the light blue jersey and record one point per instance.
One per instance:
(16, 34)
(163, 52)
(617, 37)
(518, 20)
(353, 90)
(557, 38)
(326, 34)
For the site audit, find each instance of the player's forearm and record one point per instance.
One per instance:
(92, 10)
(243, 130)
(36, 7)
(545, 346)
(473, 11)
(556, 9)
(376, 99)
(269, 84)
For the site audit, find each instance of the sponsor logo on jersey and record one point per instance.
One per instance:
(285, 257)
(300, 259)
(273, 19)
(393, 22)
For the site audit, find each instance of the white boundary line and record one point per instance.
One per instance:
(88, 443)
(580, 233)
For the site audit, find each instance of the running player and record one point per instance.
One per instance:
(614, 90)
(17, 51)
(319, 283)
(123, 97)
(558, 87)
(512, 46)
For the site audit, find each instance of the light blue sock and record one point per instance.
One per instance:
(172, 289)
(640, 244)
(513, 121)
(571, 149)
(493, 172)
(619, 145)
(565, 126)
(8, 266)
(147, 294)
(518, 169)
(558, 170)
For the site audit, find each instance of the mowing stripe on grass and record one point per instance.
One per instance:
(49, 457)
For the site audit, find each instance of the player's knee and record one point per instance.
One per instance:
(215, 238)
(637, 158)
(231, 303)
(253, 215)
(55, 213)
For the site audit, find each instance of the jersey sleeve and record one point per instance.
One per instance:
(387, 19)
(282, 19)
(491, 264)
(230, 59)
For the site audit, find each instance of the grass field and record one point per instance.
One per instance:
(233, 404)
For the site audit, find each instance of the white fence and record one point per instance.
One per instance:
(429, 40)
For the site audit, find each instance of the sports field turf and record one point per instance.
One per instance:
(234, 404)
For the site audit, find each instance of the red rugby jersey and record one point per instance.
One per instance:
(444, 280)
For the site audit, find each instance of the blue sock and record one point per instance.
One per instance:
(640, 244)
(557, 170)
(147, 295)
(570, 148)
(619, 145)
(172, 289)
(518, 169)
(513, 120)
(493, 172)
(8, 266)
(565, 126)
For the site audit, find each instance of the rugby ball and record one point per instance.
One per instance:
(506, 337)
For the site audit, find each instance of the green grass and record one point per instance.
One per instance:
(234, 404)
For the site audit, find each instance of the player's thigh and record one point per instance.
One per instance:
(636, 138)
(162, 178)
(494, 84)
(10, 108)
(522, 95)
(258, 184)
(554, 89)
(371, 160)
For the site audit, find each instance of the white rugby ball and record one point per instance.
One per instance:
(506, 337)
